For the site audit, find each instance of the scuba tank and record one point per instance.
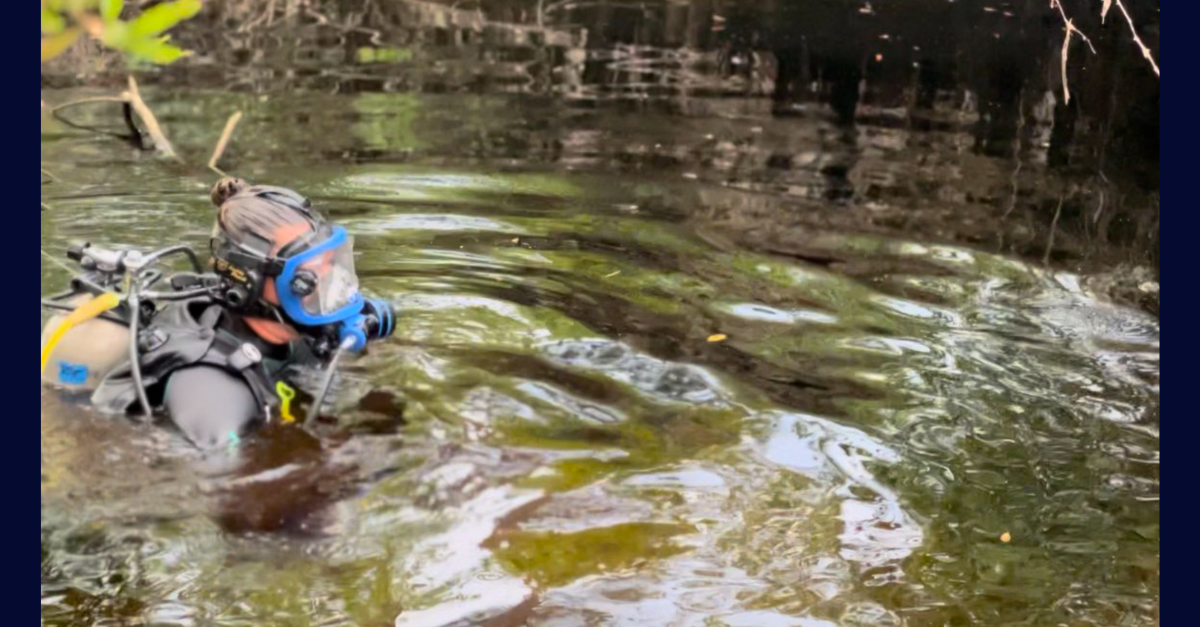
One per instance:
(120, 284)
(84, 352)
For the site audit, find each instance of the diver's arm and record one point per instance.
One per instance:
(210, 406)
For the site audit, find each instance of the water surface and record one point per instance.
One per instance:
(930, 342)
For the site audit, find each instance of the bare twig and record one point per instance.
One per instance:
(223, 142)
(134, 98)
(82, 101)
(45, 207)
(46, 173)
(132, 102)
(1137, 40)
(135, 135)
(1066, 48)
(1071, 25)
(1070, 30)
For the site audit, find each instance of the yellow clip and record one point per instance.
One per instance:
(286, 394)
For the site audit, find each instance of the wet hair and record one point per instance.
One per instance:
(225, 188)
(257, 215)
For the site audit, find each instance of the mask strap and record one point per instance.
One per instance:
(298, 245)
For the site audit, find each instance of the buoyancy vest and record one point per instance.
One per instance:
(200, 332)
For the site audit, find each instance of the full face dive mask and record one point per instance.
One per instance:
(315, 282)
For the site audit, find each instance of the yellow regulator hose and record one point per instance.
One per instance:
(81, 314)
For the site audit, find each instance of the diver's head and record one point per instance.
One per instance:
(283, 266)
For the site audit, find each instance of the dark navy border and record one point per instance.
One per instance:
(1179, 232)
(18, 461)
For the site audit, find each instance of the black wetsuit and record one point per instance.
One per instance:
(215, 377)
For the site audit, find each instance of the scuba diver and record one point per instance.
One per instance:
(218, 352)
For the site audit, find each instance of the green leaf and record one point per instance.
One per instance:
(111, 9)
(52, 22)
(161, 17)
(55, 45)
(156, 50)
(116, 35)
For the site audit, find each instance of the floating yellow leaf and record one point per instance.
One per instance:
(1006, 537)
(720, 337)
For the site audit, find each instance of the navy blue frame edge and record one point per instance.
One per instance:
(1175, 171)
(19, 460)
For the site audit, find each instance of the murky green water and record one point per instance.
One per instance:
(903, 380)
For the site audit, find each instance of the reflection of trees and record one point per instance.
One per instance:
(386, 121)
(916, 93)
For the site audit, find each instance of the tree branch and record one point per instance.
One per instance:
(161, 142)
(1066, 46)
(223, 142)
(131, 100)
(1137, 40)
(1071, 25)
(82, 101)
(135, 135)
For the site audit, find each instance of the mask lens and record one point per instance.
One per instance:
(330, 282)
(337, 284)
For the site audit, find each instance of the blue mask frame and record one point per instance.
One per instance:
(291, 302)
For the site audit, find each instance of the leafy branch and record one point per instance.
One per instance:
(143, 38)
